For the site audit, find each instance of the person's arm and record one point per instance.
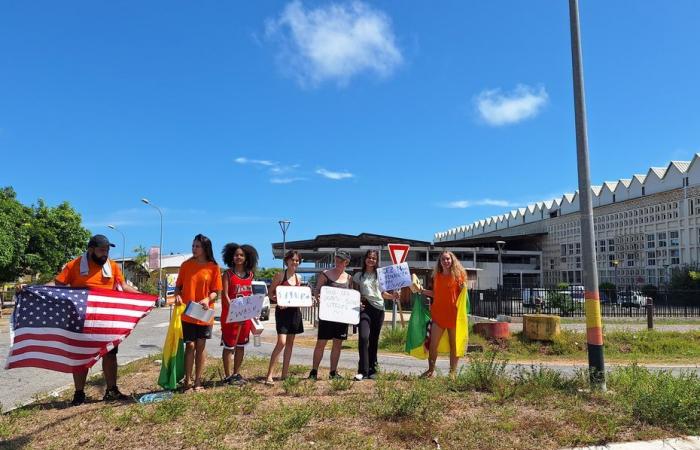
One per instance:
(178, 295)
(214, 287)
(276, 281)
(224, 289)
(319, 284)
(128, 288)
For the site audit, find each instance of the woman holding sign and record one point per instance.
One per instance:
(338, 278)
(371, 314)
(449, 277)
(241, 261)
(288, 320)
(198, 284)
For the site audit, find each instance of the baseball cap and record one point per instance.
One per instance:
(99, 240)
(342, 254)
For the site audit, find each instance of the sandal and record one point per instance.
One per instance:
(198, 389)
(269, 383)
(428, 374)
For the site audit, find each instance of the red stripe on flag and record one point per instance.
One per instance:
(55, 351)
(121, 294)
(51, 365)
(112, 317)
(94, 304)
(62, 339)
(97, 330)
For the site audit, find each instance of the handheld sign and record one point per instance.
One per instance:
(394, 277)
(244, 308)
(339, 305)
(293, 296)
(398, 252)
(197, 312)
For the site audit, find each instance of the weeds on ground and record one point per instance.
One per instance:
(340, 384)
(298, 387)
(398, 401)
(393, 339)
(280, 423)
(485, 372)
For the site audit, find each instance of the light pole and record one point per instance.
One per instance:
(284, 225)
(500, 245)
(112, 227)
(160, 250)
(594, 321)
(666, 280)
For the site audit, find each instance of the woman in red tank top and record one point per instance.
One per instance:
(237, 282)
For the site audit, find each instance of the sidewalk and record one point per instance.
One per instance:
(687, 443)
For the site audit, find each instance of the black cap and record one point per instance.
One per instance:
(99, 240)
(342, 254)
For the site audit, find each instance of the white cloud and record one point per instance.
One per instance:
(334, 42)
(461, 204)
(260, 162)
(334, 175)
(497, 108)
(289, 180)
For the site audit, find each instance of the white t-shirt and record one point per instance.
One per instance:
(369, 288)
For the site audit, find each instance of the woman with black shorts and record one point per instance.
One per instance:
(288, 320)
(338, 278)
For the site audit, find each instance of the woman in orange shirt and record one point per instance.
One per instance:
(199, 280)
(449, 277)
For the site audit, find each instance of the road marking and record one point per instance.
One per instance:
(161, 325)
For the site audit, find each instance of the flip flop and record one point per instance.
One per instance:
(268, 383)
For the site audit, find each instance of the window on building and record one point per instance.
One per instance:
(673, 235)
(578, 248)
(611, 245)
(571, 249)
(611, 260)
(602, 245)
(643, 190)
(675, 255)
(661, 237)
(563, 250)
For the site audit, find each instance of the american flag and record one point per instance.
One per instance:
(69, 329)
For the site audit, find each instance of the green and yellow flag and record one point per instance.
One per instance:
(418, 335)
(172, 370)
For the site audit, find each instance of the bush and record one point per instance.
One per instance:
(485, 372)
(414, 401)
(340, 384)
(393, 339)
(298, 387)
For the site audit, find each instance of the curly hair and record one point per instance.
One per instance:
(251, 256)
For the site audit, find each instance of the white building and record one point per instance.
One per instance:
(645, 226)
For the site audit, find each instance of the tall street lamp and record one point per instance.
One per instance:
(594, 321)
(284, 225)
(500, 245)
(160, 250)
(112, 227)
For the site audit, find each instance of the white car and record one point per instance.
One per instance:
(259, 287)
(634, 299)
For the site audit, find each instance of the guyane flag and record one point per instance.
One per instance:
(418, 336)
(172, 370)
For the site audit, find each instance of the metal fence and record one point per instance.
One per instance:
(571, 302)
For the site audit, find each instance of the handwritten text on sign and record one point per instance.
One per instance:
(293, 295)
(394, 277)
(339, 305)
(244, 308)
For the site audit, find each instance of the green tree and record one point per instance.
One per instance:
(14, 235)
(266, 274)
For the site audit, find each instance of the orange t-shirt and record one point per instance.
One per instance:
(446, 290)
(196, 281)
(71, 275)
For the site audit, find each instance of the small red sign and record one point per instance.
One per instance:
(398, 252)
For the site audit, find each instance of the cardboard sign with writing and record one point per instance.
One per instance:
(394, 277)
(339, 305)
(197, 312)
(293, 296)
(244, 308)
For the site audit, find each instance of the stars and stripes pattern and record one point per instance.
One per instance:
(69, 329)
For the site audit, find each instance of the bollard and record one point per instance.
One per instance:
(650, 313)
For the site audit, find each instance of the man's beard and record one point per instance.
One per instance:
(99, 260)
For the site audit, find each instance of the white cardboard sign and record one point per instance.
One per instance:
(293, 296)
(196, 311)
(394, 277)
(244, 308)
(339, 305)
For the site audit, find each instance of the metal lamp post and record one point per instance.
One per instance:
(284, 225)
(112, 227)
(500, 245)
(160, 250)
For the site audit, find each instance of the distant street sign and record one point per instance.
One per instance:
(398, 252)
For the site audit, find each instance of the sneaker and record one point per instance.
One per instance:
(334, 375)
(78, 398)
(313, 375)
(373, 376)
(358, 377)
(237, 380)
(113, 394)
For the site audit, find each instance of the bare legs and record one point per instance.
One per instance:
(435, 336)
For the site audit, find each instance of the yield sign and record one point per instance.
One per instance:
(398, 252)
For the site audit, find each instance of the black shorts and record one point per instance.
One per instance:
(332, 330)
(114, 351)
(289, 321)
(191, 331)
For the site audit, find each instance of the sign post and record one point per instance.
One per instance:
(398, 254)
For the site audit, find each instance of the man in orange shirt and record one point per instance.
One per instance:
(94, 269)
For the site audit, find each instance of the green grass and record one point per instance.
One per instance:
(298, 387)
(393, 339)
(279, 424)
(340, 384)
(397, 401)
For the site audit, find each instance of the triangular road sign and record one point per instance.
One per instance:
(398, 252)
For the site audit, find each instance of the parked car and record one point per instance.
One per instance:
(634, 299)
(259, 287)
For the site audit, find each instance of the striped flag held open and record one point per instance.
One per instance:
(70, 329)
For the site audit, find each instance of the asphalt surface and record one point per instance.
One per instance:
(22, 386)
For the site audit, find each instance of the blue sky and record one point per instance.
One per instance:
(389, 117)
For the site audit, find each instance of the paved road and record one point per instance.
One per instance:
(20, 386)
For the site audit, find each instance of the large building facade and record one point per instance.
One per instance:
(645, 227)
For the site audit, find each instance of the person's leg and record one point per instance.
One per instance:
(435, 336)
(281, 343)
(226, 356)
(454, 359)
(335, 354)
(238, 359)
(287, 355)
(79, 379)
(109, 369)
(189, 363)
(200, 359)
(318, 353)
(363, 346)
(374, 334)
